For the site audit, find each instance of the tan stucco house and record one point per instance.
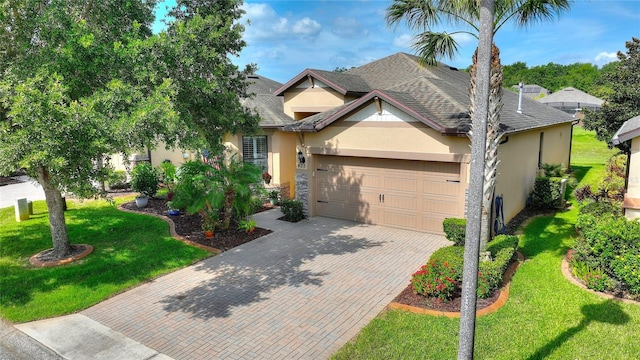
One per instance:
(630, 131)
(386, 143)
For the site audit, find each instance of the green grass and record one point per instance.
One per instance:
(546, 317)
(129, 249)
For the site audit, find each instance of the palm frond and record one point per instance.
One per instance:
(431, 46)
(417, 14)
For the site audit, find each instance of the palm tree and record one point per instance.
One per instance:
(424, 15)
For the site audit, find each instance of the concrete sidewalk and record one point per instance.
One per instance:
(301, 292)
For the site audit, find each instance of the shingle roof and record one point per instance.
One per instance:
(571, 95)
(341, 82)
(437, 95)
(630, 129)
(269, 106)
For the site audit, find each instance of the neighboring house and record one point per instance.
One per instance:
(572, 101)
(630, 131)
(386, 143)
(532, 91)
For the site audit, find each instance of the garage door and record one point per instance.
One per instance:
(415, 195)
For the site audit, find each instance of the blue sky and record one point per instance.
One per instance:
(285, 37)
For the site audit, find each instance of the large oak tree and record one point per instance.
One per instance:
(81, 79)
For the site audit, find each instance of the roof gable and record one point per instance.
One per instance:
(343, 83)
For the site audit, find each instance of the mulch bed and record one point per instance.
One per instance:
(190, 226)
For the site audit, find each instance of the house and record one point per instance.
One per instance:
(531, 91)
(630, 131)
(572, 101)
(386, 143)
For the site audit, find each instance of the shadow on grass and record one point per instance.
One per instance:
(129, 248)
(248, 274)
(608, 312)
(579, 171)
(546, 234)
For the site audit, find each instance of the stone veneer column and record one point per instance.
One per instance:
(302, 190)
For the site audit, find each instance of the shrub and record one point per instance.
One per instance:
(144, 179)
(118, 179)
(546, 193)
(599, 209)
(491, 273)
(292, 210)
(610, 243)
(435, 279)
(455, 230)
(552, 170)
(452, 255)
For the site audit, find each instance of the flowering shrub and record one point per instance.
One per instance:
(435, 279)
(597, 280)
(611, 243)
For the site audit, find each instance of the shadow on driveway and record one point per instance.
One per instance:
(248, 274)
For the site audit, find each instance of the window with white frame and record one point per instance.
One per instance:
(254, 150)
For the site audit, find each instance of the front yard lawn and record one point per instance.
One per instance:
(546, 316)
(129, 249)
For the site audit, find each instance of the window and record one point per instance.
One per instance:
(254, 150)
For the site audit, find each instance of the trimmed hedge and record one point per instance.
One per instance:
(455, 230)
(490, 273)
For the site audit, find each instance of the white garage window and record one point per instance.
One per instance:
(254, 150)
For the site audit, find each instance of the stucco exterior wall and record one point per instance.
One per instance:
(518, 166)
(281, 155)
(159, 154)
(632, 197)
(311, 100)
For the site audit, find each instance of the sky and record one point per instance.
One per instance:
(285, 37)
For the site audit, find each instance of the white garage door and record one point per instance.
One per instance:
(415, 195)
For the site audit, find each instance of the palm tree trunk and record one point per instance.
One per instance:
(494, 136)
(229, 196)
(57, 223)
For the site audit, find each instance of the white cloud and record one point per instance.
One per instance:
(265, 25)
(403, 41)
(306, 27)
(605, 58)
(464, 39)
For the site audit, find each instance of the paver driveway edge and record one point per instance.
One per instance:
(301, 292)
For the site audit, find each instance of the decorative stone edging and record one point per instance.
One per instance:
(172, 230)
(566, 272)
(88, 249)
(502, 299)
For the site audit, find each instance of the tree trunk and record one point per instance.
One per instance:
(494, 136)
(57, 223)
(229, 196)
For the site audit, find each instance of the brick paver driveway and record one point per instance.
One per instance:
(301, 292)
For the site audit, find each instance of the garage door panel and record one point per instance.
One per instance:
(400, 219)
(441, 188)
(401, 201)
(401, 193)
(445, 207)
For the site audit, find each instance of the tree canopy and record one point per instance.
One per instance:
(82, 79)
(623, 102)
